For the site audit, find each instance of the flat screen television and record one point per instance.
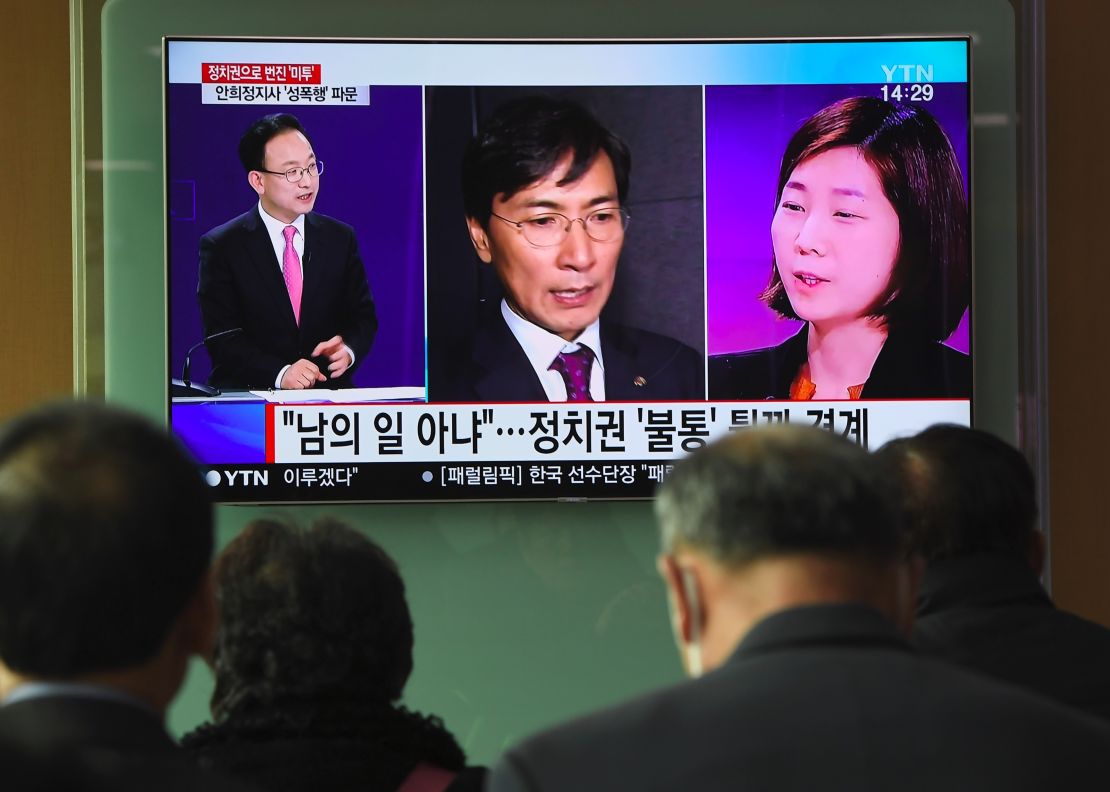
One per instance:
(549, 269)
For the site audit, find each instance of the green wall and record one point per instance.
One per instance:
(525, 613)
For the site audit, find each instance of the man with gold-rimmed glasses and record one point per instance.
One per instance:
(544, 187)
(289, 279)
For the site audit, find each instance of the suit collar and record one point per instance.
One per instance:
(36, 690)
(267, 272)
(789, 356)
(70, 720)
(315, 254)
(276, 227)
(980, 580)
(541, 346)
(502, 372)
(897, 365)
(820, 625)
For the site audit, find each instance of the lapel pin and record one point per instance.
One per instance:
(639, 382)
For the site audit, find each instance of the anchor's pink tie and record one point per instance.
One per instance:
(291, 270)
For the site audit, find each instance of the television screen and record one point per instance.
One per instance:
(413, 270)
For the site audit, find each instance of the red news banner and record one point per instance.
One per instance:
(275, 83)
(261, 73)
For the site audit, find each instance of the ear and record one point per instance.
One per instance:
(9, 680)
(199, 620)
(1037, 552)
(684, 594)
(254, 179)
(480, 239)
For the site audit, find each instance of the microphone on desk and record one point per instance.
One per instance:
(183, 386)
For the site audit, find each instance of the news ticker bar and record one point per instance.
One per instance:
(530, 433)
(407, 452)
(412, 481)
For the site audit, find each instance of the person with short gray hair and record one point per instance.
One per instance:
(789, 597)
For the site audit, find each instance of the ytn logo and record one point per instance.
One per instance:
(910, 72)
(242, 478)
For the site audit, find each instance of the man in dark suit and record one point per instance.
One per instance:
(973, 516)
(543, 187)
(290, 279)
(105, 541)
(783, 568)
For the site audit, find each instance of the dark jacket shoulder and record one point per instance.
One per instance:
(990, 613)
(911, 366)
(759, 374)
(825, 697)
(641, 365)
(120, 744)
(251, 221)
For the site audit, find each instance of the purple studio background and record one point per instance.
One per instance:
(746, 131)
(373, 180)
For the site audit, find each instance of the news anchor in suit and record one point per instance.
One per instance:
(543, 187)
(291, 278)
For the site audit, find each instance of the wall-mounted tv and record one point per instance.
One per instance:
(456, 270)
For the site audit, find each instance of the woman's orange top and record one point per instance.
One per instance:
(803, 388)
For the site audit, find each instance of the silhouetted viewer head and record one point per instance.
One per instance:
(965, 492)
(105, 537)
(779, 491)
(524, 140)
(310, 616)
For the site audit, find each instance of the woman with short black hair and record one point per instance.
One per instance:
(871, 251)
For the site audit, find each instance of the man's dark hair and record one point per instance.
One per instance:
(916, 165)
(252, 146)
(965, 492)
(777, 491)
(524, 140)
(313, 616)
(105, 535)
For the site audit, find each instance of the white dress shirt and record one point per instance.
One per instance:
(542, 347)
(276, 229)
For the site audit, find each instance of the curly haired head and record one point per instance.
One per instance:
(308, 615)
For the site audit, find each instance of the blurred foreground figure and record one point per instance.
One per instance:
(312, 655)
(973, 512)
(105, 541)
(783, 568)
